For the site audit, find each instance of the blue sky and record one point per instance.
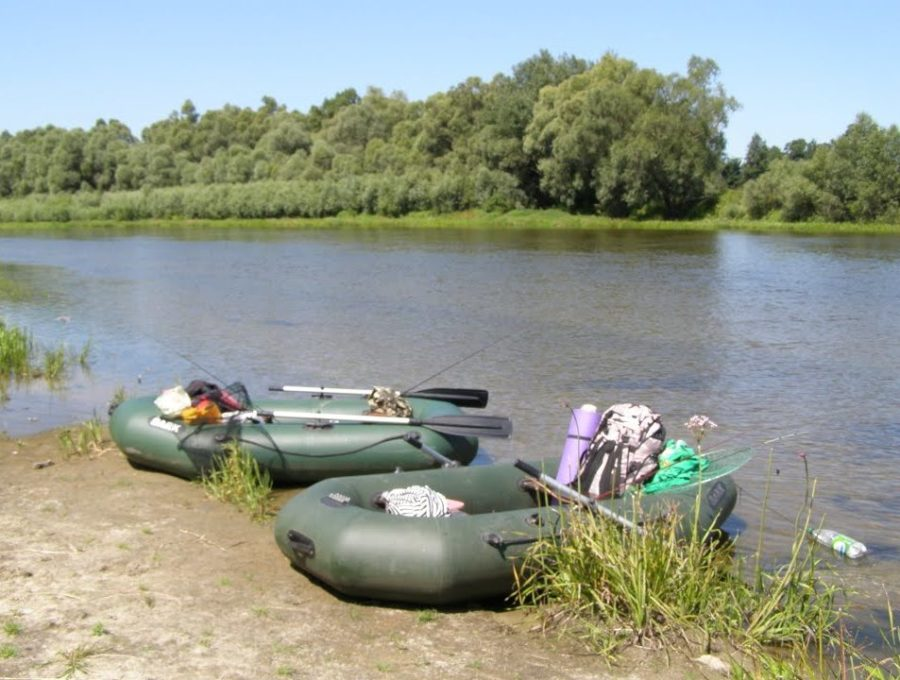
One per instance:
(799, 69)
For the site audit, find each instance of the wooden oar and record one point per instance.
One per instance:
(461, 396)
(466, 425)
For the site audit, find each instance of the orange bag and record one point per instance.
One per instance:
(205, 411)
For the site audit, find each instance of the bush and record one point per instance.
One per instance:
(801, 200)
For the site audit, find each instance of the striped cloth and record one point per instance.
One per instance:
(415, 501)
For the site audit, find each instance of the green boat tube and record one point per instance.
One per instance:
(336, 531)
(298, 451)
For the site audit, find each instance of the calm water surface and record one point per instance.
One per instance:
(772, 336)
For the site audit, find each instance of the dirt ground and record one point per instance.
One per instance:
(111, 572)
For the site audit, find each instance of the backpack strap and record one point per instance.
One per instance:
(600, 475)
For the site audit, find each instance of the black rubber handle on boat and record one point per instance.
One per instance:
(300, 544)
(527, 468)
(415, 439)
(495, 540)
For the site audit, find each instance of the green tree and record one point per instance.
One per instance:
(784, 192)
(64, 170)
(12, 164)
(319, 115)
(799, 149)
(286, 137)
(758, 157)
(630, 140)
(106, 146)
(576, 123)
(132, 167)
(731, 172)
(373, 117)
(189, 112)
(161, 168)
(507, 111)
(863, 170)
(669, 164)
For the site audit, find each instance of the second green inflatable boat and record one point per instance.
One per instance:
(337, 531)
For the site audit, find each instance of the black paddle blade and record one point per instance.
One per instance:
(468, 426)
(460, 396)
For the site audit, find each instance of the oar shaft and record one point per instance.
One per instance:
(319, 390)
(461, 396)
(571, 494)
(313, 415)
(464, 425)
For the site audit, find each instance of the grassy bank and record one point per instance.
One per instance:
(695, 597)
(517, 219)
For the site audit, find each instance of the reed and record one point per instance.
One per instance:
(889, 666)
(614, 588)
(85, 440)
(21, 360)
(237, 479)
(15, 351)
(54, 366)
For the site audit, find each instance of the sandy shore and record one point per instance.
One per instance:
(111, 572)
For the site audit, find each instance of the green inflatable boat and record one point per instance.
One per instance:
(301, 441)
(337, 531)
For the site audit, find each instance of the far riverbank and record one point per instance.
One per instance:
(516, 219)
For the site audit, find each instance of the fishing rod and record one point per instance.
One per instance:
(460, 361)
(184, 357)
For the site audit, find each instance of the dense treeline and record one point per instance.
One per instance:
(606, 138)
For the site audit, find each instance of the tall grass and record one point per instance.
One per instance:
(16, 349)
(237, 479)
(86, 440)
(21, 359)
(614, 588)
(888, 667)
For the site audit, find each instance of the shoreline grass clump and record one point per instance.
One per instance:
(238, 479)
(85, 440)
(615, 588)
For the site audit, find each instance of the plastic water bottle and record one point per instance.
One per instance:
(841, 544)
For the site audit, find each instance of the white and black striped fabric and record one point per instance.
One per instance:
(415, 501)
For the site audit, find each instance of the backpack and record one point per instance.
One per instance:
(623, 452)
(231, 398)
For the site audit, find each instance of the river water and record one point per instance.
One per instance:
(795, 338)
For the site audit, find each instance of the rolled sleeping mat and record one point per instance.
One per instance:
(582, 428)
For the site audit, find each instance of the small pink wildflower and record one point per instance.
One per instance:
(702, 423)
(699, 425)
